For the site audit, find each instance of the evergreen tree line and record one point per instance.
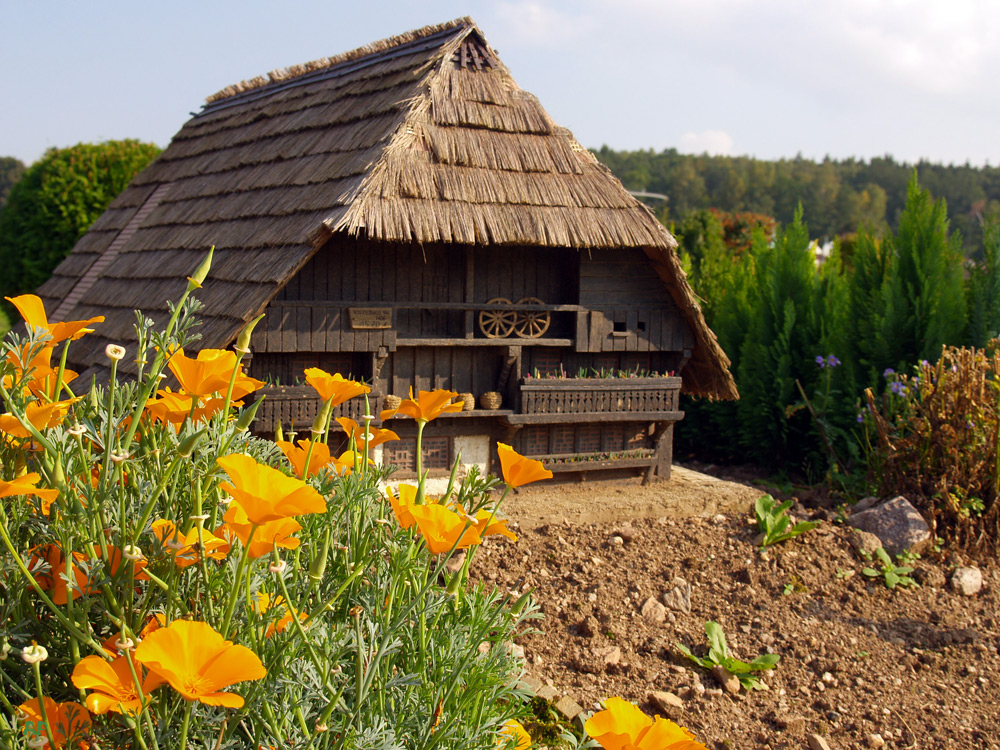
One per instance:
(838, 197)
(806, 338)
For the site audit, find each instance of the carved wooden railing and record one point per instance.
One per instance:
(296, 406)
(570, 399)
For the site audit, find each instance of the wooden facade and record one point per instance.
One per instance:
(403, 316)
(406, 214)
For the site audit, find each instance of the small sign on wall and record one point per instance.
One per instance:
(370, 317)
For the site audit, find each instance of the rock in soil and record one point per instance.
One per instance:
(729, 681)
(897, 523)
(967, 581)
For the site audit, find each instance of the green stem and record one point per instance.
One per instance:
(37, 670)
(231, 605)
(185, 724)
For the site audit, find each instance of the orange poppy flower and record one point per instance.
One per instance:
(186, 547)
(112, 683)
(69, 722)
(33, 311)
(265, 602)
(268, 535)
(376, 436)
(36, 364)
(401, 505)
(344, 463)
(54, 579)
(443, 529)
(198, 662)
(488, 524)
(518, 470)
(427, 406)
(42, 416)
(266, 494)
(513, 736)
(25, 485)
(173, 408)
(334, 388)
(210, 373)
(296, 456)
(623, 726)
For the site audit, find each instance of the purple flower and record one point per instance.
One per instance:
(861, 417)
(832, 361)
(888, 372)
(898, 388)
(820, 360)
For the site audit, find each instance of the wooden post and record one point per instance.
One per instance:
(660, 468)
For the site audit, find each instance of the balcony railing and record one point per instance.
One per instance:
(605, 399)
(296, 406)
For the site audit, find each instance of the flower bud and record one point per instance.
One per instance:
(201, 272)
(4, 650)
(318, 566)
(248, 415)
(242, 345)
(188, 444)
(114, 352)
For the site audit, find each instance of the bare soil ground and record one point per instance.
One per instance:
(918, 667)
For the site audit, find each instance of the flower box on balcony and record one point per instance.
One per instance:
(570, 399)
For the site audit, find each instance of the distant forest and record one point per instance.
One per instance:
(837, 197)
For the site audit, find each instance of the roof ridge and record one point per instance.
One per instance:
(283, 75)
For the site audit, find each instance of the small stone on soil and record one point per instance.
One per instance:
(967, 581)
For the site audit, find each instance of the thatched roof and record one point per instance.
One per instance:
(422, 137)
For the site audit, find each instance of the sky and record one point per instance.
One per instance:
(772, 79)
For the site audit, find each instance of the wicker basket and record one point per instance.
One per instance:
(391, 402)
(490, 400)
(467, 400)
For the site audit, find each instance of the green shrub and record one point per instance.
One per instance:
(935, 437)
(56, 200)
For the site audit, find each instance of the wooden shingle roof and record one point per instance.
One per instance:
(422, 137)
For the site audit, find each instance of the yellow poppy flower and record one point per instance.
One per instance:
(518, 470)
(623, 726)
(42, 417)
(443, 529)
(198, 662)
(33, 311)
(375, 436)
(402, 503)
(54, 579)
(488, 524)
(513, 736)
(210, 373)
(296, 455)
(173, 408)
(267, 536)
(265, 602)
(335, 387)
(25, 485)
(427, 406)
(112, 684)
(187, 548)
(266, 494)
(70, 722)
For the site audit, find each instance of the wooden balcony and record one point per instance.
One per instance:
(296, 406)
(549, 400)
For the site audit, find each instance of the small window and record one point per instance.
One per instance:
(403, 454)
(641, 326)
(619, 326)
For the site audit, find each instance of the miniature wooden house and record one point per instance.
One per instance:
(404, 213)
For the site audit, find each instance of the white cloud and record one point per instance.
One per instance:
(714, 142)
(532, 22)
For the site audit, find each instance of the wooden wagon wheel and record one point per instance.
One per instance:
(532, 324)
(497, 324)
